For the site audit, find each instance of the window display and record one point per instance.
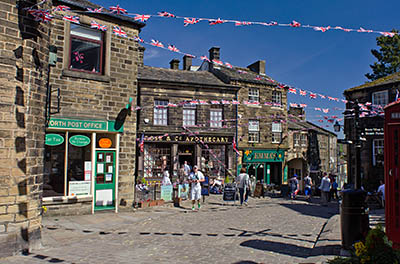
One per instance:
(214, 160)
(157, 158)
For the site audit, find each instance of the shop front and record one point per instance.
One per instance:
(212, 154)
(80, 166)
(265, 166)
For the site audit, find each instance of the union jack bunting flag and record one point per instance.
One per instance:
(227, 64)
(41, 15)
(334, 117)
(258, 78)
(225, 102)
(325, 110)
(142, 18)
(235, 147)
(365, 30)
(344, 29)
(303, 105)
(302, 92)
(136, 38)
(96, 10)
(73, 19)
(330, 98)
(317, 109)
(165, 14)
(280, 85)
(190, 21)
(272, 23)
(321, 121)
(173, 48)
(217, 62)
(388, 34)
(205, 58)
(214, 102)
(292, 90)
(96, 25)
(234, 102)
(242, 23)
(215, 22)
(293, 105)
(202, 102)
(119, 32)
(141, 143)
(295, 24)
(118, 10)
(322, 96)
(156, 43)
(313, 95)
(172, 105)
(61, 8)
(322, 29)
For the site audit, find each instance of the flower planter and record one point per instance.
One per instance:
(160, 202)
(144, 204)
(152, 203)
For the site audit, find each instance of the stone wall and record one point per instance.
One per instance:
(23, 74)
(102, 97)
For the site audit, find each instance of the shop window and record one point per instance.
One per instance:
(276, 98)
(276, 132)
(157, 158)
(254, 95)
(86, 52)
(54, 176)
(189, 115)
(303, 140)
(161, 112)
(215, 117)
(254, 131)
(377, 157)
(296, 139)
(75, 151)
(213, 161)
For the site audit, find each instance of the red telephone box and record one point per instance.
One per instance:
(392, 172)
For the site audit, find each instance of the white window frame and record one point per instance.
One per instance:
(160, 113)
(303, 139)
(277, 97)
(296, 139)
(216, 118)
(376, 146)
(254, 95)
(380, 98)
(189, 115)
(254, 131)
(276, 134)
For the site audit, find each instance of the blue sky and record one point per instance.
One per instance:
(327, 63)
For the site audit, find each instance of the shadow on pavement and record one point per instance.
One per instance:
(278, 247)
(313, 209)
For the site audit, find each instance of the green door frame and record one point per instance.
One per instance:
(100, 179)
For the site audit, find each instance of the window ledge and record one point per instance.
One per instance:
(66, 199)
(85, 75)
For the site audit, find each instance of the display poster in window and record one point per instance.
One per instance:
(105, 143)
(76, 188)
(88, 170)
(166, 192)
(108, 157)
(110, 168)
(100, 168)
(108, 177)
(100, 157)
(183, 191)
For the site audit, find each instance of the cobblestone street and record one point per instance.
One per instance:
(269, 230)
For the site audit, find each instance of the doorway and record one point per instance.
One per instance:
(186, 153)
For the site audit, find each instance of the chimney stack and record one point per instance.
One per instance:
(214, 53)
(174, 64)
(187, 62)
(297, 112)
(141, 55)
(258, 67)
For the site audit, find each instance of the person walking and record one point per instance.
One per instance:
(196, 177)
(294, 186)
(325, 189)
(243, 183)
(307, 187)
(381, 191)
(334, 194)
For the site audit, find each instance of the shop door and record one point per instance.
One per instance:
(104, 187)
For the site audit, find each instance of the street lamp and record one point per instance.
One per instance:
(336, 126)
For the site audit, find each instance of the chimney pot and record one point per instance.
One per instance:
(187, 63)
(214, 53)
(174, 64)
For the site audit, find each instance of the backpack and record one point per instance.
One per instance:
(293, 184)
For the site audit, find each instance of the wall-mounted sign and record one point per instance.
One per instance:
(78, 188)
(190, 139)
(95, 125)
(105, 143)
(263, 155)
(376, 131)
(54, 139)
(79, 140)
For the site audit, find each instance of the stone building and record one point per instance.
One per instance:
(185, 116)
(89, 159)
(373, 95)
(312, 149)
(262, 115)
(23, 74)
(67, 138)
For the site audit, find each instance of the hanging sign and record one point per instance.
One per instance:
(54, 139)
(105, 143)
(79, 140)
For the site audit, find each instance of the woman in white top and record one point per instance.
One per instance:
(243, 183)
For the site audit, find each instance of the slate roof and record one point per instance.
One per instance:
(393, 78)
(295, 123)
(83, 4)
(180, 76)
(246, 75)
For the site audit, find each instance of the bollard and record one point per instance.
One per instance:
(354, 221)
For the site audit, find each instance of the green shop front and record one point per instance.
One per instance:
(81, 166)
(265, 165)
